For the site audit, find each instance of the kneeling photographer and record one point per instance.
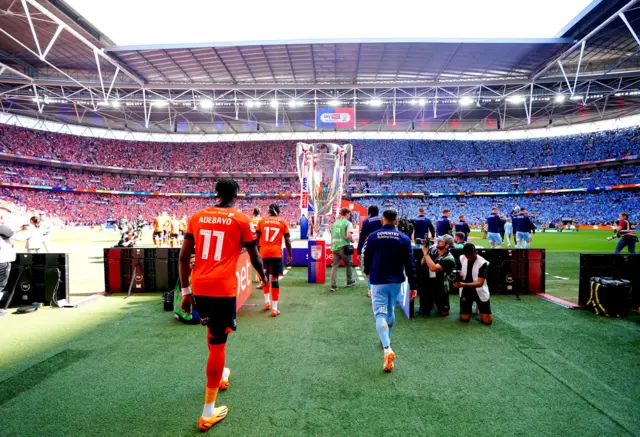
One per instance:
(437, 265)
(128, 238)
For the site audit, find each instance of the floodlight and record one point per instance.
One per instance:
(576, 97)
(466, 101)
(334, 102)
(293, 103)
(375, 102)
(160, 103)
(115, 103)
(560, 98)
(422, 102)
(273, 103)
(515, 99)
(206, 104)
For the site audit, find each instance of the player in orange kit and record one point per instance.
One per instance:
(271, 230)
(182, 229)
(158, 229)
(254, 221)
(174, 226)
(216, 235)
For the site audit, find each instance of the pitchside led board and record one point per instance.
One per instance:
(335, 118)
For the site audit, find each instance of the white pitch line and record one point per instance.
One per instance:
(560, 277)
(360, 278)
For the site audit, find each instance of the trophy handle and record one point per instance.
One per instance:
(300, 149)
(348, 148)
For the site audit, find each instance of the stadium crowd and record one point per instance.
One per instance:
(60, 177)
(94, 209)
(578, 179)
(584, 208)
(194, 157)
(279, 156)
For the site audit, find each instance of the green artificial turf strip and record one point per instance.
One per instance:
(540, 370)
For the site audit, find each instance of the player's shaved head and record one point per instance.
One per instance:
(390, 216)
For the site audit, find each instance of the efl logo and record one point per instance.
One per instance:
(335, 117)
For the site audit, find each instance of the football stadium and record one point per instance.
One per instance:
(416, 218)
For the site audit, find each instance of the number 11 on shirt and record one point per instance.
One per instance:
(207, 243)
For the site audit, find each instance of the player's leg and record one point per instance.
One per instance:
(394, 292)
(155, 241)
(277, 269)
(466, 305)
(266, 290)
(219, 315)
(380, 297)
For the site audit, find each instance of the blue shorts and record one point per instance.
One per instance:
(523, 236)
(384, 297)
(494, 237)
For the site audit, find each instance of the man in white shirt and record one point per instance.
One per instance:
(473, 285)
(45, 225)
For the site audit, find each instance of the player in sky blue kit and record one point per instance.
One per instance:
(494, 227)
(523, 227)
(508, 232)
(388, 255)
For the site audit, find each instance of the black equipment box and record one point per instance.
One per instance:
(619, 266)
(156, 269)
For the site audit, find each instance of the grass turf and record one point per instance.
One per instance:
(118, 367)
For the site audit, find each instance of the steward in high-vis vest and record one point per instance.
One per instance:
(341, 239)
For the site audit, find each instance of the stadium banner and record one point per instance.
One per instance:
(335, 118)
(244, 273)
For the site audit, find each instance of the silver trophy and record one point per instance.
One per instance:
(323, 169)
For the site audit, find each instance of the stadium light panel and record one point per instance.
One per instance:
(367, 23)
(466, 101)
(515, 99)
(115, 103)
(422, 102)
(293, 103)
(576, 97)
(333, 102)
(160, 103)
(375, 102)
(206, 104)
(273, 103)
(560, 98)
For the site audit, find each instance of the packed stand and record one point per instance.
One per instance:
(59, 177)
(578, 179)
(278, 156)
(95, 209)
(585, 208)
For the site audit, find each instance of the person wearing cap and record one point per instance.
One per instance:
(473, 286)
(438, 263)
(388, 262)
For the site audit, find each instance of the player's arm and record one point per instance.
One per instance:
(368, 254)
(426, 259)
(350, 232)
(188, 246)
(431, 228)
(251, 244)
(410, 271)
(361, 238)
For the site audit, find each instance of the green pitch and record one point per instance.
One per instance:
(125, 368)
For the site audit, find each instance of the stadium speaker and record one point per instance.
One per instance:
(42, 278)
(156, 269)
(512, 271)
(620, 266)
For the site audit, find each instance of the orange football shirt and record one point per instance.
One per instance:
(272, 231)
(158, 225)
(219, 235)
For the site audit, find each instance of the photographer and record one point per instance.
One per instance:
(627, 234)
(473, 285)
(439, 264)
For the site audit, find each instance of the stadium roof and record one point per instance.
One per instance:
(55, 65)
